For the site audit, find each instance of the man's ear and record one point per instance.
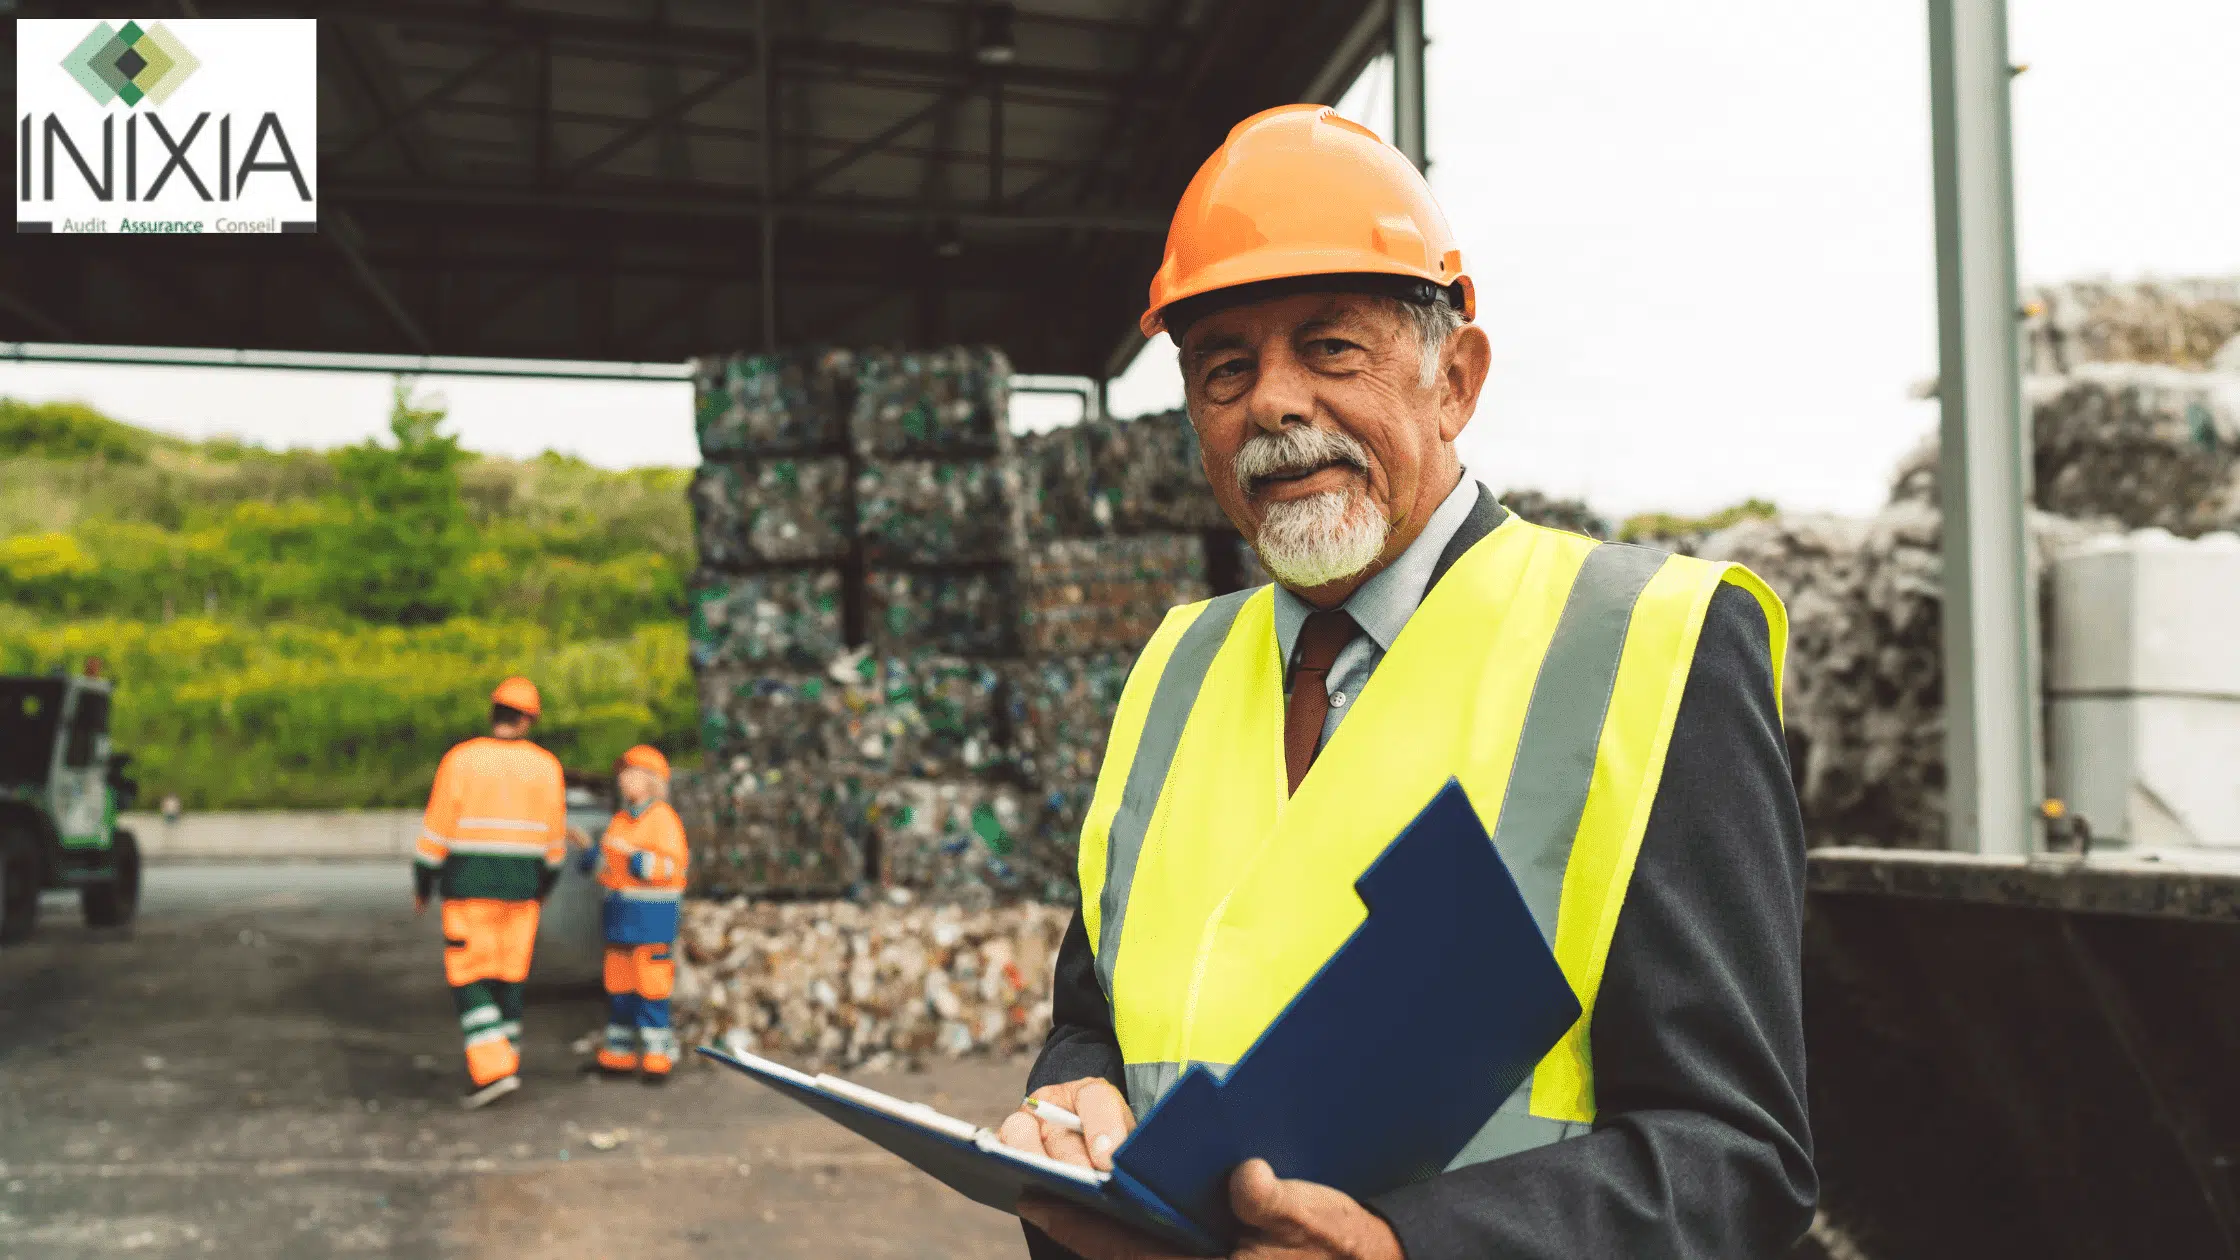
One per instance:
(1464, 363)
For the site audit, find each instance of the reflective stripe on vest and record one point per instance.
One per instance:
(1607, 632)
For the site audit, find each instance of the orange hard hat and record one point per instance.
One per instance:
(1300, 191)
(517, 693)
(644, 757)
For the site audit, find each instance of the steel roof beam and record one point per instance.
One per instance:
(438, 95)
(612, 37)
(675, 108)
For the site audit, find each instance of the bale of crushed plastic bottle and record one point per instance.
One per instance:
(951, 401)
(771, 404)
(934, 512)
(754, 513)
(1104, 594)
(778, 617)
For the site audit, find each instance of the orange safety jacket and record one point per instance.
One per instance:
(641, 863)
(497, 822)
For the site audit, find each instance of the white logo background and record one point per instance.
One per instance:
(249, 67)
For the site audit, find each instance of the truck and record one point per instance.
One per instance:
(62, 786)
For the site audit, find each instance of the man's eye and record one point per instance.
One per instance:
(1330, 346)
(1229, 368)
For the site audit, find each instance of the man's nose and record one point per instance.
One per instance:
(1282, 394)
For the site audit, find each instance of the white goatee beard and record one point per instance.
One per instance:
(1321, 539)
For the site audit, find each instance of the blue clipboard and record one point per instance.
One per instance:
(1375, 1076)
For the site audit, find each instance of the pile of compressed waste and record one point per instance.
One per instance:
(909, 628)
(867, 988)
(2116, 445)
(2182, 323)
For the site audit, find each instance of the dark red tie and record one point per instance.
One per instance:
(1319, 643)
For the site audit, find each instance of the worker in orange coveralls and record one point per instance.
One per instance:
(491, 845)
(641, 862)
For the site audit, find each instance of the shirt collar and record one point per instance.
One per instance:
(1383, 604)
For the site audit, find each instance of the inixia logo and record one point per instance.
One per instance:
(131, 65)
(185, 126)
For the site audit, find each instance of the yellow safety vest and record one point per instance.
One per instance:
(1542, 662)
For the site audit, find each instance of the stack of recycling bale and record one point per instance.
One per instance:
(2181, 323)
(1118, 527)
(2116, 445)
(858, 529)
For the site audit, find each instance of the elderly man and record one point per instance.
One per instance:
(1618, 709)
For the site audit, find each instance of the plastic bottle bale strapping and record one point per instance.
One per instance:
(925, 511)
(1090, 595)
(955, 400)
(786, 617)
(760, 404)
(962, 612)
(751, 513)
(866, 988)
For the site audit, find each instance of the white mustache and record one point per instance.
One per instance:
(1293, 450)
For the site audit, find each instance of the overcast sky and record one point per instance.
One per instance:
(1701, 236)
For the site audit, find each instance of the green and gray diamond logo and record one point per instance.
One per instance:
(132, 64)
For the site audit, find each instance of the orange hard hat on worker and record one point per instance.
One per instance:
(1299, 191)
(519, 694)
(644, 757)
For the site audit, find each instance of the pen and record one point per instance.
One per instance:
(1053, 1113)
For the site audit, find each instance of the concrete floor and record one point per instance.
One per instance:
(268, 1064)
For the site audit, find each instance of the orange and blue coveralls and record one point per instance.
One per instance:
(641, 862)
(491, 844)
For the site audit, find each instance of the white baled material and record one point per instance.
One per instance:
(2147, 613)
(2143, 689)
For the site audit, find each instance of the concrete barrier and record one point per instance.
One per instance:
(278, 834)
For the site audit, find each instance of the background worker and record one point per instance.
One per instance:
(641, 862)
(491, 844)
(1613, 711)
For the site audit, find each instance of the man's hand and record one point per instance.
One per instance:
(577, 839)
(1105, 1123)
(1283, 1220)
(419, 906)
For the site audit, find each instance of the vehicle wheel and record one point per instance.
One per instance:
(113, 904)
(19, 893)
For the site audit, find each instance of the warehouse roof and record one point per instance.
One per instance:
(584, 179)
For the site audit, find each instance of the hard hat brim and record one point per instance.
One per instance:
(1264, 265)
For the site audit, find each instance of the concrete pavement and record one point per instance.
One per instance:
(268, 1065)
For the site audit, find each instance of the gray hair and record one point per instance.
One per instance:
(1434, 324)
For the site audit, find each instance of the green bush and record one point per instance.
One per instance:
(290, 715)
(71, 431)
(313, 629)
(1655, 525)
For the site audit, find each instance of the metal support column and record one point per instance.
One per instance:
(1407, 82)
(1992, 737)
(766, 85)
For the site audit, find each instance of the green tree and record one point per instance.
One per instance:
(401, 551)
